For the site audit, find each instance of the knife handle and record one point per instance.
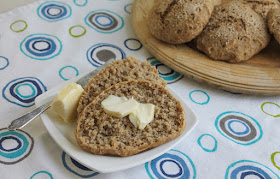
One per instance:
(28, 117)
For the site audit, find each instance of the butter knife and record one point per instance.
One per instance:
(28, 117)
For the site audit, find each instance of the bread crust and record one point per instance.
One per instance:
(273, 19)
(121, 70)
(234, 33)
(179, 21)
(103, 134)
(261, 7)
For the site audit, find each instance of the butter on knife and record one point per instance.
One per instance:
(66, 102)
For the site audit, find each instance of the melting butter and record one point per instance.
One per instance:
(140, 115)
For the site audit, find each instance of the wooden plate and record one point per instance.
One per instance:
(259, 75)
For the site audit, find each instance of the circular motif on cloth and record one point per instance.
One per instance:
(66, 72)
(18, 26)
(173, 164)
(104, 21)
(14, 146)
(127, 8)
(239, 128)
(204, 141)
(23, 91)
(168, 74)
(77, 31)
(80, 2)
(41, 174)
(75, 167)
(53, 11)
(244, 168)
(41, 46)
(4, 62)
(132, 44)
(199, 97)
(98, 54)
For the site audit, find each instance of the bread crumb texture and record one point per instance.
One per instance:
(118, 71)
(234, 33)
(103, 134)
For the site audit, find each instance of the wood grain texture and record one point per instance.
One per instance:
(259, 75)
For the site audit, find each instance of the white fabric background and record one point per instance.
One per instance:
(46, 155)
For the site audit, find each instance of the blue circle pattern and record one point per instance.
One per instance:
(170, 77)
(15, 93)
(61, 70)
(117, 16)
(19, 144)
(234, 112)
(254, 168)
(27, 46)
(97, 63)
(47, 51)
(106, 17)
(85, 3)
(43, 11)
(126, 8)
(50, 175)
(200, 91)
(247, 130)
(184, 170)
(130, 48)
(50, 44)
(7, 62)
(17, 151)
(168, 175)
(205, 149)
(25, 96)
(174, 157)
(46, 11)
(11, 93)
(78, 165)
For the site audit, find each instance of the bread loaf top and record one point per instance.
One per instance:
(234, 33)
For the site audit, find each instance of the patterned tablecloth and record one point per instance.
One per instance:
(48, 42)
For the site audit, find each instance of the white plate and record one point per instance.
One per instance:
(64, 136)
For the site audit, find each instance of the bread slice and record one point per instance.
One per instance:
(118, 71)
(103, 134)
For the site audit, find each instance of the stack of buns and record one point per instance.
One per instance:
(104, 134)
(233, 31)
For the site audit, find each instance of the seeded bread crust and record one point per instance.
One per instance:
(179, 21)
(273, 21)
(103, 134)
(118, 71)
(234, 33)
(262, 7)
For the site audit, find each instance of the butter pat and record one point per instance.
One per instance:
(143, 115)
(119, 106)
(112, 100)
(66, 102)
(140, 115)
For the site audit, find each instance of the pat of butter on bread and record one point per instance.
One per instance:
(143, 115)
(66, 102)
(140, 114)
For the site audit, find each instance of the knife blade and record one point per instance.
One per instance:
(28, 117)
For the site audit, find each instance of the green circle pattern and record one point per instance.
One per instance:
(17, 31)
(273, 160)
(77, 35)
(277, 115)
